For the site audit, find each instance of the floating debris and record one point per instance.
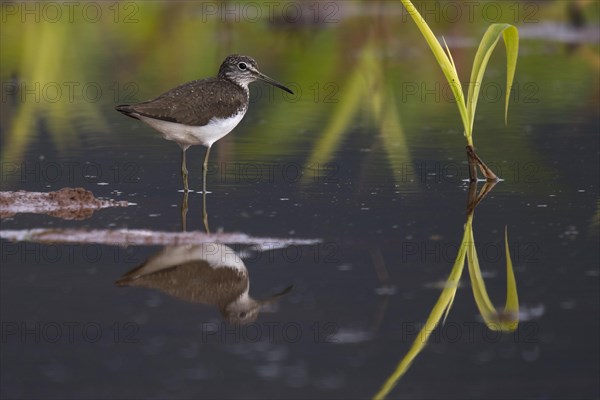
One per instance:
(130, 237)
(66, 203)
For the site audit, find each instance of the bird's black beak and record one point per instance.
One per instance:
(274, 298)
(273, 82)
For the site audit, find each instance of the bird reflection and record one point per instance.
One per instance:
(184, 211)
(207, 273)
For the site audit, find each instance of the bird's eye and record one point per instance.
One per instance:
(242, 314)
(242, 66)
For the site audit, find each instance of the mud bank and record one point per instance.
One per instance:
(66, 203)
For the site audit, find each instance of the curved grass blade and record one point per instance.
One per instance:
(449, 55)
(440, 309)
(443, 60)
(512, 298)
(487, 45)
(508, 319)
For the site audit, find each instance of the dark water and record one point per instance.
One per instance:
(368, 158)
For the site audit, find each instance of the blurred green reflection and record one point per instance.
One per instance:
(356, 76)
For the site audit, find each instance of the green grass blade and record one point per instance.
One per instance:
(512, 298)
(486, 47)
(479, 291)
(494, 320)
(444, 62)
(449, 55)
(440, 309)
(511, 41)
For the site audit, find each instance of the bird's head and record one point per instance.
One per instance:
(243, 70)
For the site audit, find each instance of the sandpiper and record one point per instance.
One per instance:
(208, 273)
(202, 111)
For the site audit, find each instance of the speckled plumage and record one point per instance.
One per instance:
(204, 110)
(195, 282)
(197, 102)
(194, 103)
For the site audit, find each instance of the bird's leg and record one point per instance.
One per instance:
(204, 213)
(204, 168)
(184, 171)
(184, 210)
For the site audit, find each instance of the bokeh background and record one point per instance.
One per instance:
(368, 156)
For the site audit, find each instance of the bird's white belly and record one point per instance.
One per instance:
(188, 135)
(215, 254)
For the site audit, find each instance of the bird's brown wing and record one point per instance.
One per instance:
(193, 103)
(193, 281)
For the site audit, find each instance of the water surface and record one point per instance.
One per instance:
(367, 159)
